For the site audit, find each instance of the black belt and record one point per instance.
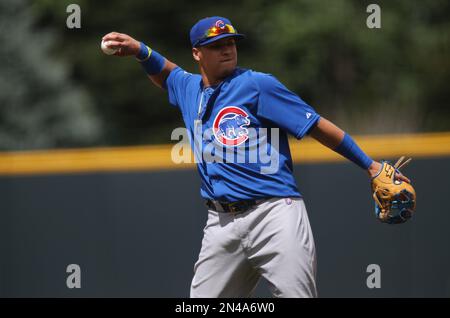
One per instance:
(232, 207)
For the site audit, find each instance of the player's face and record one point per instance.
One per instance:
(218, 59)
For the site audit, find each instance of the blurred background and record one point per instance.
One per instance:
(86, 176)
(58, 89)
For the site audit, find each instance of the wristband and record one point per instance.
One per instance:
(350, 150)
(152, 62)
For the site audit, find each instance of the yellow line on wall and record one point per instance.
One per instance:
(378, 147)
(149, 158)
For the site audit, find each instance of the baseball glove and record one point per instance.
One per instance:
(395, 200)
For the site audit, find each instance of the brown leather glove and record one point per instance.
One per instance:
(395, 200)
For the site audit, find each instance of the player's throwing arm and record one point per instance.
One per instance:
(155, 65)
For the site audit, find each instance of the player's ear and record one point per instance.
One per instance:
(196, 54)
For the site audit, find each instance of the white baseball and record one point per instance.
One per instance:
(106, 49)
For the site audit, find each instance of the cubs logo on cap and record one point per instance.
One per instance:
(211, 29)
(229, 126)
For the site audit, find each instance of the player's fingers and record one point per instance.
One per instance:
(113, 44)
(401, 177)
(108, 36)
(114, 36)
(120, 52)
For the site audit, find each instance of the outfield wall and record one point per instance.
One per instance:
(137, 232)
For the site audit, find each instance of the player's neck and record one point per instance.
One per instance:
(209, 80)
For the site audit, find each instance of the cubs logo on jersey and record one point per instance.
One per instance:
(230, 126)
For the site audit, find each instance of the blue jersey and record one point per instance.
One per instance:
(234, 111)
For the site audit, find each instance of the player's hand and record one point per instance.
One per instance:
(375, 168)
(125, 44)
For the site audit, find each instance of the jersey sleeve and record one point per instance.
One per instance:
(176, 84)
(284, 108)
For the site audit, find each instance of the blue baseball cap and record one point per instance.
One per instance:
(211, 29)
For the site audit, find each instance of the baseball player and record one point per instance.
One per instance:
(257, 221)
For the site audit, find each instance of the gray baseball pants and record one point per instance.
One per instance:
(271, 240)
